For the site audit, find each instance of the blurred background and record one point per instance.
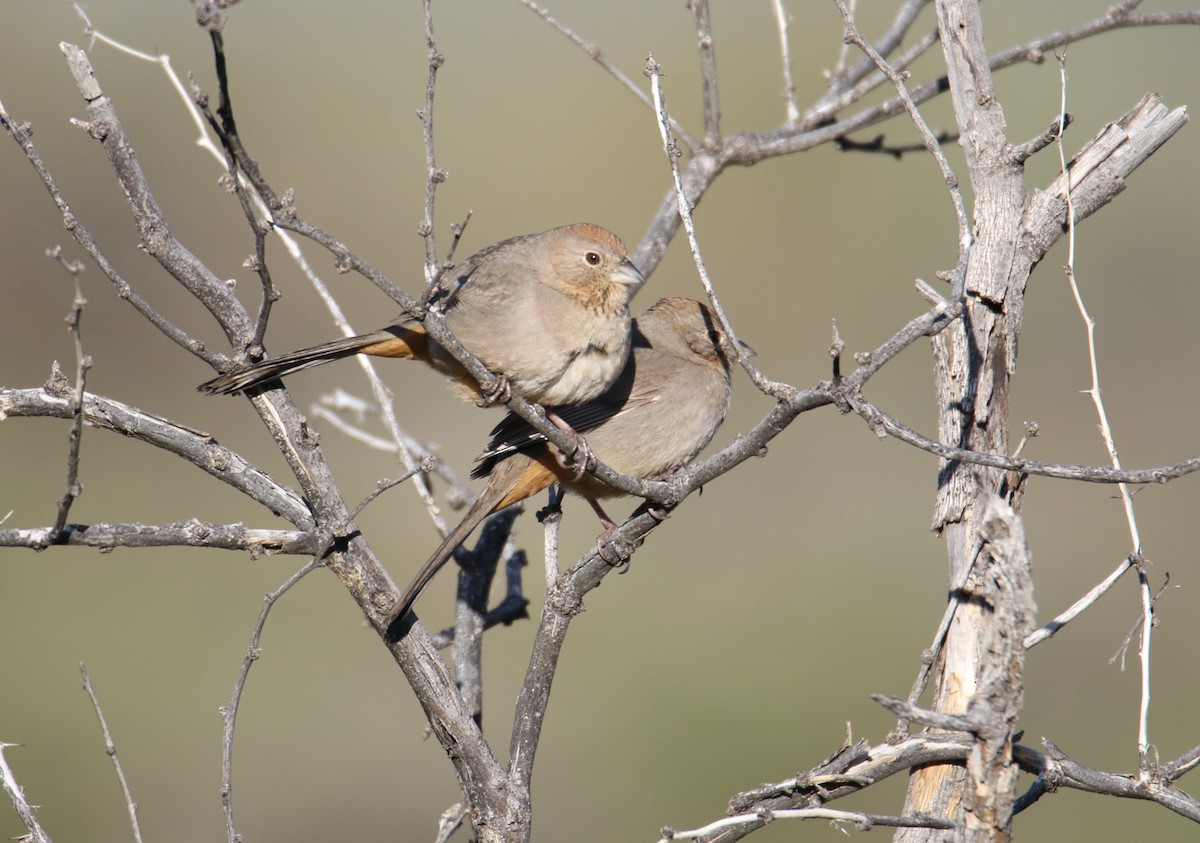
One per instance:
(753, 626)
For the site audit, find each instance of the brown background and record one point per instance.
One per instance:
(754, 625)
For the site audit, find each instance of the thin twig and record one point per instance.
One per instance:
(856, 82)
(1137, 625)
(83, 362)
(23, 135)
(459, 492)
(155, 236)
(773, 388)
(883, 423)
(782, 20)
(229, 714)
(1105, 429)
(254, 651)
(434, 175)
(594, 53)
(236, 157)
(194, 446)
(708, 75)
(844, 47)
(111, 749)
(1078, 607)
(930, 657)
(929, 138)
(863, 822)
(846, 78)
(16, 795)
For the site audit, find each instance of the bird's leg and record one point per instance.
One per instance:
(616, 556)
(579, 458)
(609, 524)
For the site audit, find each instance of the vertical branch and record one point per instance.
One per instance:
(433, 174)
(83, 363)
(229, 715)
(470, 617)
(671, 148)
(782, 20)
(844, 52)
(551, 523)
(708, 75)
(257, 262)
(111, 749)
(853, 36)
(254, 651)
(974, 361)
(1106, 433)
(1144, 654)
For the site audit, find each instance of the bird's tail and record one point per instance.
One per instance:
(393, 341)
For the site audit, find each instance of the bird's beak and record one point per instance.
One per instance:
(627, 274)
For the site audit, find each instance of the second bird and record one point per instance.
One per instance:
(664, 408)
(547, 312)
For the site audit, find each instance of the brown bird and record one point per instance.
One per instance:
(663, 409)
(548, 313)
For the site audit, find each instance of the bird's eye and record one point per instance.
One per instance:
(592, 258)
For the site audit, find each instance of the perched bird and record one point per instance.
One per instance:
(548, 313)
(663, 409)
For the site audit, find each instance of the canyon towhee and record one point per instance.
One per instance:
(663, 409)
(548, 313)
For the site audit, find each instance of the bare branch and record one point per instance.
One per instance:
(193, 533)
(863, 822)
(931, 141)
(434, 175)
(1066, 772)
(229, 715)
(845, 79)
(594, 53)
(351, 559)
(708, 76)
(156, 236)
(75, 402)
(1078, 607)
(775, 390)
(111, 749)
(460, 492)
(882, 424)
(1115, 18)
(22, 134)
(1106, 433)
(930, 719)
(782, 20)
(853, 768)
(195, 446)
(16, 795)
(476, 571)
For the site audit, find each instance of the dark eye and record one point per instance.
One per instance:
(593, 258)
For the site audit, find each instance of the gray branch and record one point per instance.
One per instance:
(192, 533)
(195, 446)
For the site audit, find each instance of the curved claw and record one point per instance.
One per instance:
(498, 393)
(577, 461)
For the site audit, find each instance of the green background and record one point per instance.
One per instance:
(753, 626)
